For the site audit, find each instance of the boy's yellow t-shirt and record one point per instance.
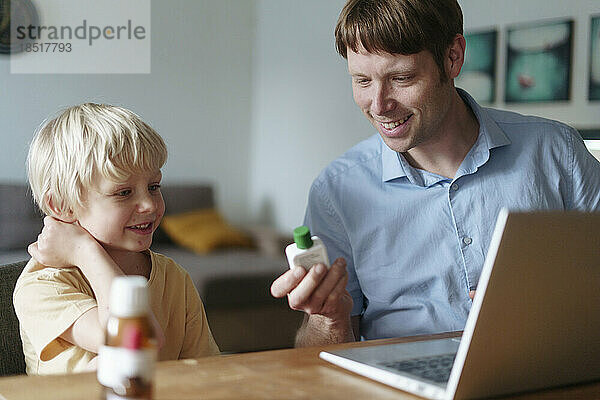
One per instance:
(49, 300)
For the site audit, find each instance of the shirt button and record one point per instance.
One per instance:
(454, 187)
(467, 240)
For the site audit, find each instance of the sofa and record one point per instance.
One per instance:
(233, 281)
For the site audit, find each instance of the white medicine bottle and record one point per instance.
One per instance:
(126, 360)
(306, 250)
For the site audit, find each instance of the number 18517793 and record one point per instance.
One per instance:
(47, 47)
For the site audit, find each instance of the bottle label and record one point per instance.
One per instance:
(117, 366)
(309, 259)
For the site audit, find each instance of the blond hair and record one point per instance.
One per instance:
(70, 150)
(399, 27)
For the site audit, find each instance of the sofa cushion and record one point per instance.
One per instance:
(203, 231)
(187, 197)
(183, 197)
(20, 220)
(228, 265)
(12, 360)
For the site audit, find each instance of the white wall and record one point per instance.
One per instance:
(304, 116)
(198, 97)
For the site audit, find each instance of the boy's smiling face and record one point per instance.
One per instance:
(122, 216)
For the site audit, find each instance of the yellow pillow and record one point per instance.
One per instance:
(203, 231)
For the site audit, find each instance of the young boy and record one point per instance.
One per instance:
(95, 172)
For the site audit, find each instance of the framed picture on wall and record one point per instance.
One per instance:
(594, 89)
(478, 74)
(538, 62)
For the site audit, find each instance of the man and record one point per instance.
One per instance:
(408, 214)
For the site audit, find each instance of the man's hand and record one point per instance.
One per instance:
(60, 243)
(322, 295)
(316, 291)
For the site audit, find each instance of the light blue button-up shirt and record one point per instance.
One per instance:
(415, 242)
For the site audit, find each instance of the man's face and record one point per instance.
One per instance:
(403, 96)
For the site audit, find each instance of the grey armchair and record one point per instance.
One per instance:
(12, 360)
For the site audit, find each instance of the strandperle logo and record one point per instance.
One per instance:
(82, 37)
(90, 33)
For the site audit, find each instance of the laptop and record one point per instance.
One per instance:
(534, 322)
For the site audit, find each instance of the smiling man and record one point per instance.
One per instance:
(408, 214)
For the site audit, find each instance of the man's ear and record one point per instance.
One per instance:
(455, 57)
(59, 211)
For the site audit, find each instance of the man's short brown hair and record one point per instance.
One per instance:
(399, 27)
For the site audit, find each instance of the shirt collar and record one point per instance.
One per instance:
(395, 166)
(490, 136)
(392, 163)
(488, 128)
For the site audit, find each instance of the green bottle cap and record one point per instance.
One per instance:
(302, 237)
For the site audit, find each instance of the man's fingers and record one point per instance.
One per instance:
(287, 282)
(309, 291)
(299, 297)
(472, 294)
(331, 304)
(336, 275)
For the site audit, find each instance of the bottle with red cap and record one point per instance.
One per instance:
(126, 360)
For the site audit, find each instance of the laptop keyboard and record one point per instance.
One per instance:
(435, 368)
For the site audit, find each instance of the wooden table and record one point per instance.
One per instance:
(278, 374)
